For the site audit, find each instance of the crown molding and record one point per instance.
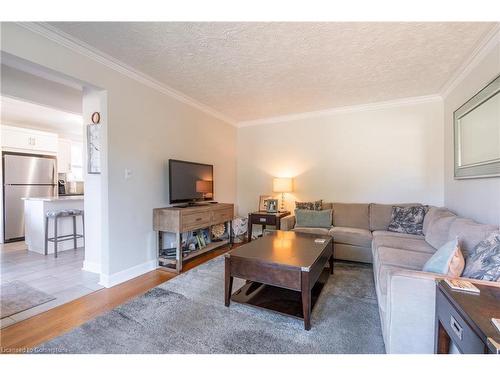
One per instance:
(345, 109)
(86, 50)
(485, 46)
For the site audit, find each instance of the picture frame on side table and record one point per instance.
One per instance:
(262, 202)
(94, 148)
(272, 206)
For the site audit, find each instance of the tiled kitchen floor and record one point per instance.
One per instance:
(63, 277)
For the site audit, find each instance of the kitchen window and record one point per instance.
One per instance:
(76, 173)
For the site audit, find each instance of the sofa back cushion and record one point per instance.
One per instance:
(434, 213)
(380, 214)
(469, 233)
(437, 230)
(354, 215)
(313, 219)
(327, 206)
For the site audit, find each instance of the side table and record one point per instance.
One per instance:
(264, 218)
(465, 319)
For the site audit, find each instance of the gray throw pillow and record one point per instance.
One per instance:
(316, 205)
(483, 262)
(409, 220)
(313, 219)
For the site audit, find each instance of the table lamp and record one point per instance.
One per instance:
(282, 185)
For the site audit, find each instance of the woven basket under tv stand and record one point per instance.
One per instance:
(179, 220)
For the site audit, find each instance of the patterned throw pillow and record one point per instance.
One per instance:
(483, 262)
(315, 206)
(409, 220)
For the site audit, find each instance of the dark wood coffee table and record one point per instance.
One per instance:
(285, 272)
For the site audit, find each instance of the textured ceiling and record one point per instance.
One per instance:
(249, 71)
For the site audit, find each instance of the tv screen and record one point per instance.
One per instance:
(190, 181)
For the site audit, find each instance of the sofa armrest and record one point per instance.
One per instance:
(410, 315)
(287, 223)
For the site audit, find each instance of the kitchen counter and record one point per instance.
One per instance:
(56, 199)
(35, 212)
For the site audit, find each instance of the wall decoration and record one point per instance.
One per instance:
(262, 202)
(94, 148)
(477, 134)
(96, 117)
(272, 205)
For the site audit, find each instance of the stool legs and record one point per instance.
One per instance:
(46, 235)
(74, 232)
(55, 237)
(83, 228)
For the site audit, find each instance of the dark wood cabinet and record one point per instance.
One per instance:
(264, 218)
(465, 319)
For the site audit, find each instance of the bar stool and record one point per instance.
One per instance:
(57, 215)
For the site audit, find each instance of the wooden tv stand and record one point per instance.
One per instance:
(179, 220)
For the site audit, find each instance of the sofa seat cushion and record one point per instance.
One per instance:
(379, 233)
(407, 259)
(352, 236)
(412, 244)
(321, 231)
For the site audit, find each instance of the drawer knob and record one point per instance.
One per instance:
(456, 328)
(199, 219)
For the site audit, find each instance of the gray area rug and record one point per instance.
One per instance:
(187, 315)
(17, 296)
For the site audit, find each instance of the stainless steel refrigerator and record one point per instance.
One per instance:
(24, 176)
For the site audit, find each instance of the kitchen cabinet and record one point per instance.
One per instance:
(28, 140)
(64, 156)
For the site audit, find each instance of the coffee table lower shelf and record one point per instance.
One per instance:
(284, 301)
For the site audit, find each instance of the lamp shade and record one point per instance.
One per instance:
(203, 186)
(283, 185)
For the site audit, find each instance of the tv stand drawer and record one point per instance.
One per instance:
(195, 220)
(221, 216)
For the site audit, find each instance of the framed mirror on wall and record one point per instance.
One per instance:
(477, 134)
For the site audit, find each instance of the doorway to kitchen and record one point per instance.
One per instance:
(47, 255)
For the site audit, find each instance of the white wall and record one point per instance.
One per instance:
(386, 155)
(144, 129)
(96, 197)
(18, 84)
(478, 199)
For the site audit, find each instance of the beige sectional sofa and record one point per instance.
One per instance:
(406, 294)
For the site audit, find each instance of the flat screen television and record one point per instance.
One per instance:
(190, 182)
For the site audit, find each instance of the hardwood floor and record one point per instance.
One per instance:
(19, 337)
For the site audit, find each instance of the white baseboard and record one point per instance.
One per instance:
(91, 267)
(108, 281)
